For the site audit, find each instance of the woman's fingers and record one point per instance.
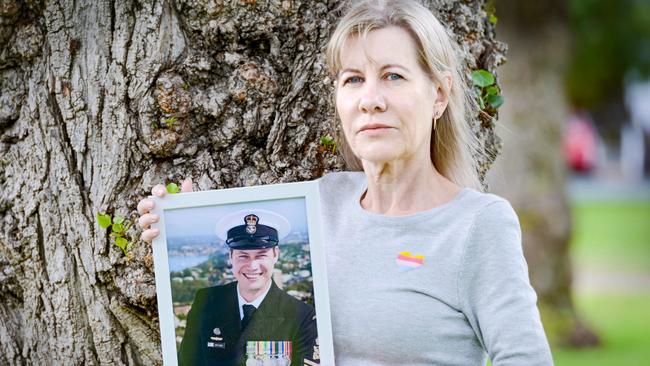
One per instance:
(159, 190)
(186, 186)
(147, 219)
(149, 235)
(145, 206)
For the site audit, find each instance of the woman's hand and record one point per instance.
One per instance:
(146, 205)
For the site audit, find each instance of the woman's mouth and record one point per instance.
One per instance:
(373, 128)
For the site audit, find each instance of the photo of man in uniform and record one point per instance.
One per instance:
(252, 308)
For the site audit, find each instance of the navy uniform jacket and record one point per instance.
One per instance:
(280, 317)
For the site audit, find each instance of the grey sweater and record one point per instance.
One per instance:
(440, 287)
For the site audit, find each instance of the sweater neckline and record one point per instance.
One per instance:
(418, 216)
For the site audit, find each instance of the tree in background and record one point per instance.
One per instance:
(609, 48)
(531, 171)
(103, 99)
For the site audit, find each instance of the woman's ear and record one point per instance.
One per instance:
(442, 93)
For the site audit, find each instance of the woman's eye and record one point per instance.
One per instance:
(393, 76)
(353, 80)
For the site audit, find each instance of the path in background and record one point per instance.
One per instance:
(601, 266)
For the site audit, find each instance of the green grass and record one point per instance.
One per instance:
(612, 234)
(622, 321)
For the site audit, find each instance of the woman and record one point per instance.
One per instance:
(423, 269)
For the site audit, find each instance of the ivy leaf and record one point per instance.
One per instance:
(170, 121)
(118, 228)
(118, 219)
(104, 220)
(122, 243)
(492, 90)
(327, 140)
(482, 78)
(172, 188)
(495, 101)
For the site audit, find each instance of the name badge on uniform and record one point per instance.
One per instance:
(217, 345)
(216, 340)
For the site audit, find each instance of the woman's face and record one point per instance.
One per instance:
(385, 101)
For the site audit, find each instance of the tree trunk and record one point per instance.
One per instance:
(103, 99)
(531, 171)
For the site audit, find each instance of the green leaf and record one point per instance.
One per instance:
(104, 220)
(170, 121)
(482, 78)
(495, 101)
(121, 242)
(493, 19)
(327, 140)
(492, 90)
(172, 188)
(118, 228)
(118, 219)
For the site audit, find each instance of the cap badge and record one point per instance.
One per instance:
(251, 223)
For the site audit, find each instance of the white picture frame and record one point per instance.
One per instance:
(192, 208)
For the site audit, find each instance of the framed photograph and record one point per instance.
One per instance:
(241, 277)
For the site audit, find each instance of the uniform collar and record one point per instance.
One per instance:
(255, 302)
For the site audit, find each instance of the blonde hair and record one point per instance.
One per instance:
(455, 149)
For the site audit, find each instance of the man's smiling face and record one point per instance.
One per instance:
(253, 270)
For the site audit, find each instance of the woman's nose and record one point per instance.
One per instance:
(372, 100)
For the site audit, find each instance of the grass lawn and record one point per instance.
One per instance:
(612, 234)
(622, 321)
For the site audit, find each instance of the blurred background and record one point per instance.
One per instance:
(576, 154)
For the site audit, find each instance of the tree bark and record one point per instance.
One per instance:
(103, 99)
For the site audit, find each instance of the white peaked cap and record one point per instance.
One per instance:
(266, 217)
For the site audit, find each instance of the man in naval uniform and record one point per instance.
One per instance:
(223, 318)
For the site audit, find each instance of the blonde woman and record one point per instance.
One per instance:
(423, 268)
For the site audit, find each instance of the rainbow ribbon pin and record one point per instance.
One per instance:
(406, 261)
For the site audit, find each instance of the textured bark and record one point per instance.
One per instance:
(88, 93)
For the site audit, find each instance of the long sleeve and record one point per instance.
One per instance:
(189, 353)
(495, 292)
(306, 337)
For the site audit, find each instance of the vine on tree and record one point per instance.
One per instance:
(328, 143)
(488, 93)
(118, 227)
